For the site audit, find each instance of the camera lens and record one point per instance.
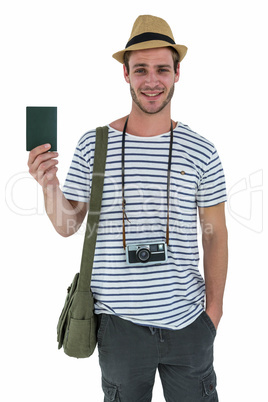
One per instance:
(143, 254)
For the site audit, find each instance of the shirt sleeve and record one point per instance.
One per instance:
(77, 184)
(212, 188)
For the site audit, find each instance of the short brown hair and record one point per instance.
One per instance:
(175, 56)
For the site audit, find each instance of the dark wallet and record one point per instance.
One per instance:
(41, 127)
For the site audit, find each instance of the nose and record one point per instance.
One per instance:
(151, 78)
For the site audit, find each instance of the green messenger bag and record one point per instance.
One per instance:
(77, 326)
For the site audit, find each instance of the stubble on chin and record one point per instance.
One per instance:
(148, 111)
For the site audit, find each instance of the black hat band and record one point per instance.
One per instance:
(147, 36)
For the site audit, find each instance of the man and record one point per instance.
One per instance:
(152, 314)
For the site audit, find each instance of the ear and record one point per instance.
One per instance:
(126, 75)
(177, 75)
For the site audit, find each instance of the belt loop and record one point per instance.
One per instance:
(153, 330)
(161, 335)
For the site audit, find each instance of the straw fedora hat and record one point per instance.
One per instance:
(150, 32)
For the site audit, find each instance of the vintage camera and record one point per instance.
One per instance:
(141, 254)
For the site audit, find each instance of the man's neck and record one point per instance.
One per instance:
(145, 125)
(148, 125)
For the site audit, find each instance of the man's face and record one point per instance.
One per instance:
(151, 77)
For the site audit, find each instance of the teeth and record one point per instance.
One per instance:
(151, 95)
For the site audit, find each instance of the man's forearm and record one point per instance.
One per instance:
(215, 270)
(65, 218)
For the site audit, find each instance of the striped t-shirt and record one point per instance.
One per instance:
(167, 295)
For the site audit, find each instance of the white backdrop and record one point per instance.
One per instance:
(58, 53)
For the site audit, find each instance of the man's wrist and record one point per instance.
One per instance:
(215, 314)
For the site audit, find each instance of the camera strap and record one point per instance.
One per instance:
(123, 182)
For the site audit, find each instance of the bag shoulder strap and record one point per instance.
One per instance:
(94, 209)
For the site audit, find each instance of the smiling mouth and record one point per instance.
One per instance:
(152, 95)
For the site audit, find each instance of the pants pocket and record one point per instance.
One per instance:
(102, 324)
(209, 384)
(209, 324)
(111, 392)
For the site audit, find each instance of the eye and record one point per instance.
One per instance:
(140, 71)
(163, 70)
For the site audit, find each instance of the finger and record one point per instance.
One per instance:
(50, 178)
(37, 151)
(45, 176)
(47, 165)
(41, 169)
(45, 161)
(51, 173)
